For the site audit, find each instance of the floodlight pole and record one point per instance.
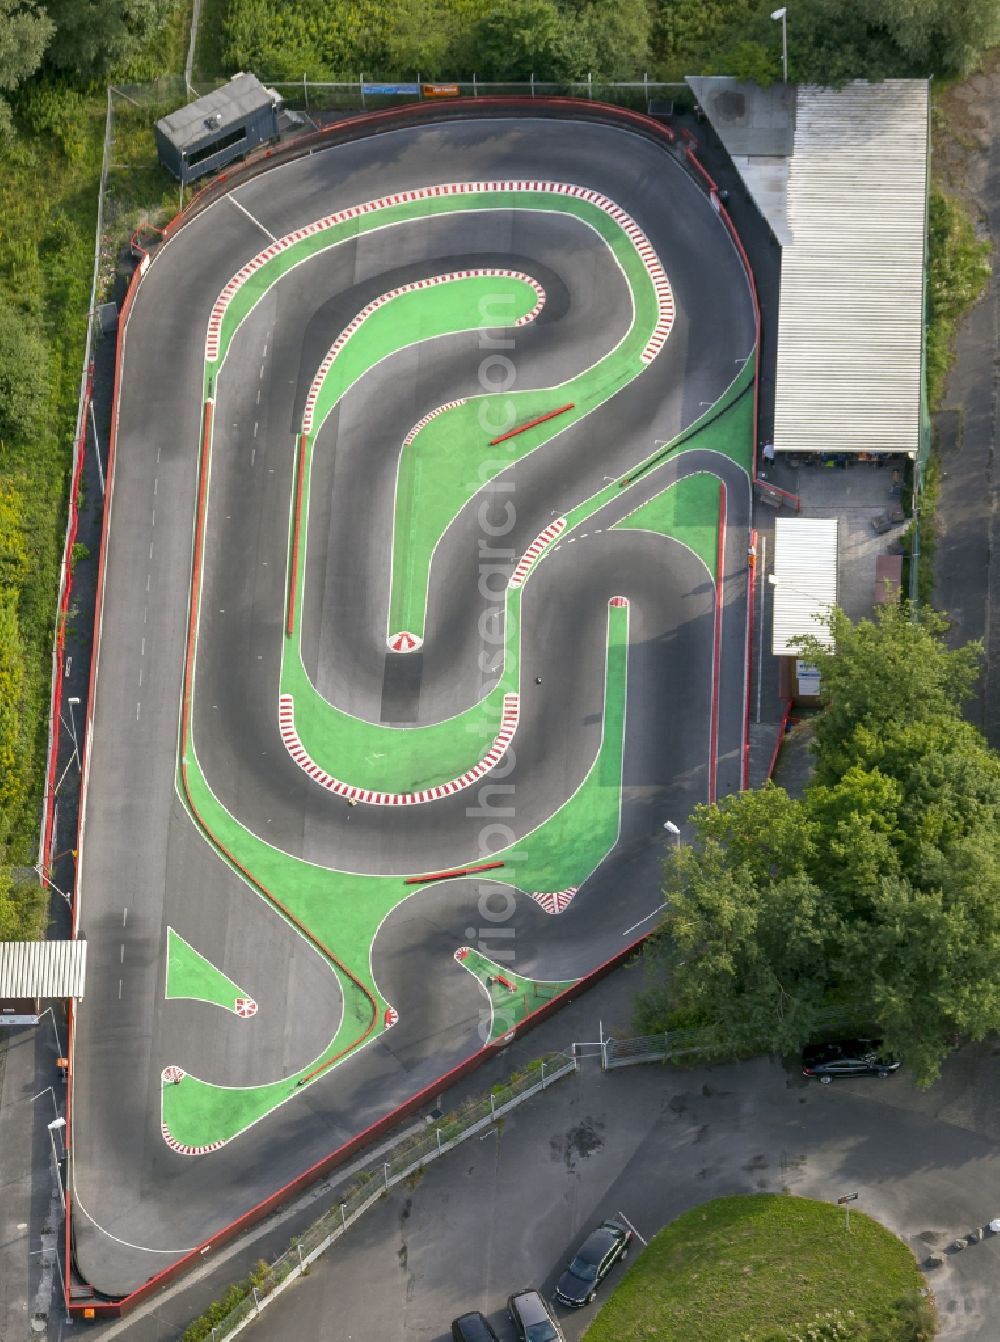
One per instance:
(782, 14)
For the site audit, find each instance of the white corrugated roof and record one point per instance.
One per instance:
(42, 968)
(805, 569)
(850, 313)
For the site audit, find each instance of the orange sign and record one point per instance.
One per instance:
(441, 90)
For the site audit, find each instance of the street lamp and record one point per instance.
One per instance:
(72, 728)
(671, 828)
(42, 877)
(782, 14)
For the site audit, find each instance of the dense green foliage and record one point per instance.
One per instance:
(875, 899)
(957, 273)
(769, 1268)
(49, 174)
(829, 41)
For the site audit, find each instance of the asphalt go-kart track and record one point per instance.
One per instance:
(427, 553)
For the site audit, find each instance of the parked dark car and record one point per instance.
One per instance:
(594, 1259)
(472, 1328)
(847, 1057)
(530, 1316)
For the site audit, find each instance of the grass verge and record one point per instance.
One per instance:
(770, 1268)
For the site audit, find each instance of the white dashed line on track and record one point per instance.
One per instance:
(256, 426)
(137, 708)
(253, 455)
(642, 920)
(243, 210)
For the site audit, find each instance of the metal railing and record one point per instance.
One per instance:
(367, 94)
(408, 1159)
(654, 1047)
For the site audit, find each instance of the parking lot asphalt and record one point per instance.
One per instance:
(507, 1209)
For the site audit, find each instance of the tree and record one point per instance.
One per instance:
(93, 36)
(893, 670)
(25, 30)
(871, 902)
(23, 375)
(938, 36)
(529, 37)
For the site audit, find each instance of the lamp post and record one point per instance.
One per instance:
(42, 877)
(782, 14)
(671, 828)
(72, 727)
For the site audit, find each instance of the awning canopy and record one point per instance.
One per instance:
(42, 969)
(805, 580)
(850, 318)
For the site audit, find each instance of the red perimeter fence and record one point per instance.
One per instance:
(89, 1305)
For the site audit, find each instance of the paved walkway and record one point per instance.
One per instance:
(967, 570)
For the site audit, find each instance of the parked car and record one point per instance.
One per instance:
(847, 1057)
(472, 1328)
(531, 1317)
(594, 1259)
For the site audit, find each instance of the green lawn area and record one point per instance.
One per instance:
(769, 1268)
(688, 511)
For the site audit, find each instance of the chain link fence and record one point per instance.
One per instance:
(313, 96)
(654, 1047)
(405, 1161)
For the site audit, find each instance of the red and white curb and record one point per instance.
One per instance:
(245, 1007)
(527, 560)
(170, 1076)
(404, 642)
(650, 261)
(421, 424)
(619, 602)
(391, 1017)
(554, 901)
(183, 1149)
(431, 282)
(298, 752)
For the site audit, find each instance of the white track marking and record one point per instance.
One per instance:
(642, 920)
(243, 209)
(642, 1241)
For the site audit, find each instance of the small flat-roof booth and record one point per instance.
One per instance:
(218, 128)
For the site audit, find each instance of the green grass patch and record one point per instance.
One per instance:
(190, 975)
(958, 271)
(511, 996)
(401, 759)
(687, 511)
(769, 1268)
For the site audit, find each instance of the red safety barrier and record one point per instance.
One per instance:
(448, 875)
(344, 130)
(751, 588)
(300, 471)
(785, 717)
(539, 419)
(713, 747)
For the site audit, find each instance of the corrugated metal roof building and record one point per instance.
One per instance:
(805, 580)
(42, 969)
(850, 324)
(216, 129)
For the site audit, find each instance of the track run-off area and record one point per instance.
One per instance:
(424, 606)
